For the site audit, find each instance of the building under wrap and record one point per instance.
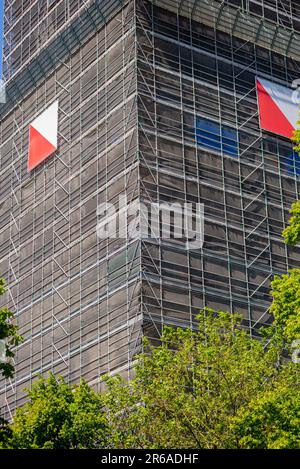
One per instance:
(158, 100)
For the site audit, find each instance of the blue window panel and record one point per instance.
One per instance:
(230, 141)
(297, 163)
(210, 134)
(292, 163)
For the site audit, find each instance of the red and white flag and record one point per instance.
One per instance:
(43, 136)
(278, 113)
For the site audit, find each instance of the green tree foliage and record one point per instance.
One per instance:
(272, 418)
(286, 289)
(59, 416)
(296, 139)
(207, 389)
(286, 304)
(214, 387)
(5, 431)
(291, 233)
(8, 333)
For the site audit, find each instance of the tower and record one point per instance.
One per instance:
(157, 102)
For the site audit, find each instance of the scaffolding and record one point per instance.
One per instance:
(244, 22)
(27, 60)
(76, 299)
(136, 82)
(189, 69)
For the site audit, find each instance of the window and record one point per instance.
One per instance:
(210, 134)
(291, 163)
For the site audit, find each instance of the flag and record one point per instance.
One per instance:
(43, 136)
(278, 113)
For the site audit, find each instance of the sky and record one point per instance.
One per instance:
(1, 34)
